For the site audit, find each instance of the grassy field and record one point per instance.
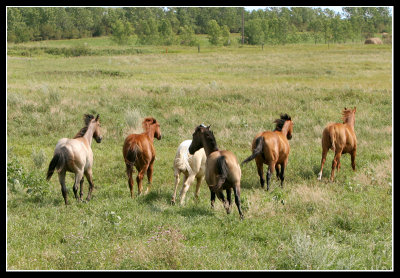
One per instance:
(307, 225)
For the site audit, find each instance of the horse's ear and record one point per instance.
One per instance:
(97, 117)
(355, 108)
(209, 127)
(345, 108)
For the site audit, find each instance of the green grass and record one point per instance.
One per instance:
(308, 224)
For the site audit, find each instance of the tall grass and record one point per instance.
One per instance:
(307, 224)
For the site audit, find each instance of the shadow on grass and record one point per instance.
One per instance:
(194, 211)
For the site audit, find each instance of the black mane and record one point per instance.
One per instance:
(280, 122)
(209, 135)
(87, 118)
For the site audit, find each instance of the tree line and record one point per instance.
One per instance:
(166, 26)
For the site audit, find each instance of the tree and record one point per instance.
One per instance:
(121, 31)
(166, 33)
(253, 32)
(213, 31)
(187, 36)
(226, 40)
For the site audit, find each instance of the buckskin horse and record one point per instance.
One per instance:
(76, 156)
(138, 151)
(272, 148)
(222, 168)
(341, 138)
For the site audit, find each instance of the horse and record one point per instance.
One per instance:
(75, 155)
(138, 150)
(272, 148)
(341, 138)
(192, 166)
(222, 168)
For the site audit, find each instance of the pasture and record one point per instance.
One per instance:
(239, 91)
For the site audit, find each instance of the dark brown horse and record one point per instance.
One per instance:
(138, 151)
(341, 138)
(76, 156)
(222, 168)
(272, 148)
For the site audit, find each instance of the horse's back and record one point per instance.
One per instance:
(272, 146)
(339, 136)
(234, 174)
(78, 156)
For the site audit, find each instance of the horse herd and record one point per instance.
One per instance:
(198, 158)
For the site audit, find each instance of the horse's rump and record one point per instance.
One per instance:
(58, 161)
(221, 171)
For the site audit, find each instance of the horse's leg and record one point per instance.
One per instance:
(278, 175)
(199, 180)
(61, 178)
(236, 191)
(129, 171)
(149, 176)
(188, 181)
(176, 174)
(78, 180)
(353, 159)
(282, 173)
(81, 189)
(139, 178)
(335, 161)
(229, 198)
(212, 198)
(260, 171)
(221, 196)
(323, 159)
(271, 168)
(89, 177)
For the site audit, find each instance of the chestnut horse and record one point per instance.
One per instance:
(76, 156)
(222, 168)
(272, 148)
(342, 139)
(138, 151)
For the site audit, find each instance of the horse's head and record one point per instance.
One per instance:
(349, 115)
(97, 132)
(197, 142)
(290, 130)
(151, 124)
(285, 124)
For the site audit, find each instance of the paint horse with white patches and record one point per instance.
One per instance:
(76, 156)
(192, 167)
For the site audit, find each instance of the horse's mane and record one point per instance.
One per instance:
(147, 122)
(280, 122)
(346, 114)
(209, 135)
(87, 118)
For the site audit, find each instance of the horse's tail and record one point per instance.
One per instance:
(57, 162)
(332, 136)
(222, 172)
(257, 150)
(181, 161)
(131, 156)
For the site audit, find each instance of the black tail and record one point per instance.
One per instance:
(257, 150)
(222, 172)
(131, 156)
(57, 161)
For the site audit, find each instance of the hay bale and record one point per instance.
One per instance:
(373, 41)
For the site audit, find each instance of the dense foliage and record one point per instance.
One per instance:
(159, 26)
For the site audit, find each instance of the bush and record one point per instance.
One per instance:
(33, 183)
